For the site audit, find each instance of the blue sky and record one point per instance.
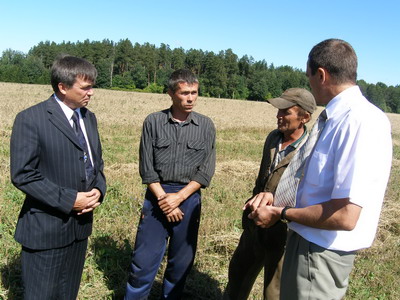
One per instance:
(281, 32)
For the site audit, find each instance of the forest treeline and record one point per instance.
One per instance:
(123, 65)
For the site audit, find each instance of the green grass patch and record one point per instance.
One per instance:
(239, 150)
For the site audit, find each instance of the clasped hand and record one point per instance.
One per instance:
(169, 203)
(259, 200)
(262, 212)
(87, 201)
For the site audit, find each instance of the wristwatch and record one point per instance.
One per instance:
(283, 214)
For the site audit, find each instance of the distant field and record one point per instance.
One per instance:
(241, 130)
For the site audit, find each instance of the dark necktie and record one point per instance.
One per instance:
(285, 194)
(82, 141)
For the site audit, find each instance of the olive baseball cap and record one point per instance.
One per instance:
(295, 96)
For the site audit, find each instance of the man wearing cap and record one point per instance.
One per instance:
(259, 247)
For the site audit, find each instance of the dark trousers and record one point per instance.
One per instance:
(258, 248)
(152, 237)
(53, 273)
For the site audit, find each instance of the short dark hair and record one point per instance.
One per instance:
(67, 69)
(337, 57)
(181, 76)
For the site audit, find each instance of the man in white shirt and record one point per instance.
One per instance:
(339, 199)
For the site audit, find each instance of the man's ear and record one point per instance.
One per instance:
(62, 88)
(306, 117)
(323, 75)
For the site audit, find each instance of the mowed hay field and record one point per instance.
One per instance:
(241, 130)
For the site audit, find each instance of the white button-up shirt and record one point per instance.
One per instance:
(352, 159)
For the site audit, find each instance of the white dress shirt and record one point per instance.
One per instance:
(352, 159)
(69, 113)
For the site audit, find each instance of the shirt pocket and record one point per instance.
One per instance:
(162, 152)
(195, 152)
(316, 166)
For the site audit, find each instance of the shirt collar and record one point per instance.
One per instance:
(341, 102)
(296, 143)
(191, 118)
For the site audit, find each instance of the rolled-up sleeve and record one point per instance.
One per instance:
(206, 169)
(146, 161)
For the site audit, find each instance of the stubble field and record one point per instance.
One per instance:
(241, 130)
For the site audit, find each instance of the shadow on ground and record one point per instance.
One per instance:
(113, 260)
(11, 278)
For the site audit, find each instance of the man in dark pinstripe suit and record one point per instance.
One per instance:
(177, 158)
(56, 161)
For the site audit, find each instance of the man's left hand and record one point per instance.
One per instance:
(94, 202)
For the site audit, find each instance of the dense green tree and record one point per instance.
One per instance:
(178, 58)
(123, 56)
(195, 61)
(291, 78)
(162, 78)
(150, 62)
(214, 77)
(10, 73)
(147, 67)
(258, 86)
(376, 94)
(363, 86)
(105, 72)
(12, 57)
(244, 65)
(11, 64)
(103, 50)
(242, 90)
(124, 81)
(34, 71)
(139, 75)
(46, 52)
(164, 57)
(232, 71)
(274, 83)
(393, 99)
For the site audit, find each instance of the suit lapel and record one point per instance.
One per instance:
(90, 131)
(285, 160)
(59, 120)
(273, 150)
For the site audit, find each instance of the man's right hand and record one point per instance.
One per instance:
(259, 200)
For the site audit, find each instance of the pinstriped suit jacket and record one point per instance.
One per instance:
(47, 165)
